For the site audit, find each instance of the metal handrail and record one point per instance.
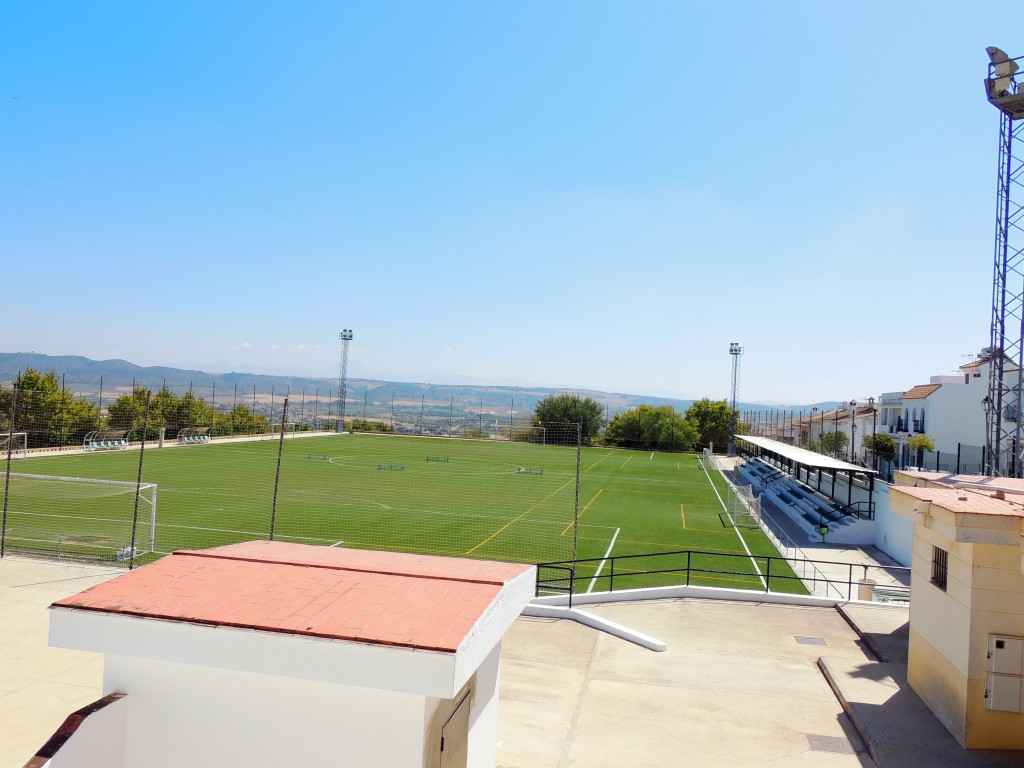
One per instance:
(687, 567)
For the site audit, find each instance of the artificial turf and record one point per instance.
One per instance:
(476, 498)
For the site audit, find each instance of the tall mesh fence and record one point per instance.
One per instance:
(128, 478)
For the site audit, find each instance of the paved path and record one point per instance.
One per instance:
(39, 685)
(898, 728)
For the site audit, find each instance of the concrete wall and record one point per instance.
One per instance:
(98, 742)
(894, 534)
(181, 714)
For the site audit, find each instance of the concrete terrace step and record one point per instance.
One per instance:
(897, 727)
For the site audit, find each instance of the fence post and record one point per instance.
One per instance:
(7, 475)
(138, 482)
(958, 458)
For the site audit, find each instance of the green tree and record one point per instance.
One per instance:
(128, 412)
(240, 420)
(366, 425)
(713, 420)
(48, 414)
(192, 412)
(834, 443)
(571, 409)
(917, 445)
(883, 446)
(648, 428)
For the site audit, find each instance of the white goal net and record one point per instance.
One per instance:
(78, 519)
(14, 445)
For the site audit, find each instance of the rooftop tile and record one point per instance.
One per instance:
(383, 598)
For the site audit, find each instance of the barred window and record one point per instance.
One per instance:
(940, 567)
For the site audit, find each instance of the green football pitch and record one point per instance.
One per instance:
(471, 498)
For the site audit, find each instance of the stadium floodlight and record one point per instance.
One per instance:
(1001, 88)
(344, 337)
(735, 350)
(1004, 68)
(1005, 353)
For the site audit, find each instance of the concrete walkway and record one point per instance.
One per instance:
(899, 730)
(738, 686)
(39, 685)
(741, 684)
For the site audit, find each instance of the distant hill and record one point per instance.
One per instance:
(111, 378)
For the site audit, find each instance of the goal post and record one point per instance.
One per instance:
(14, 444)
(289, 428)
(79, 519)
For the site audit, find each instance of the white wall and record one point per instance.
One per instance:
(98, 742)
(181, 714)
(954, 414)
(894, 534)
(483, 718)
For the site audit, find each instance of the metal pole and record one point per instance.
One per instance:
(7, 475)
(277, 476)
(138, 483)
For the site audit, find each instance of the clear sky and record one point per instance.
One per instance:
(570, 194)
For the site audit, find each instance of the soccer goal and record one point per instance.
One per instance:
(289, 429)
(14, 444)
(79, 519)
(744, 506)
(194, 435)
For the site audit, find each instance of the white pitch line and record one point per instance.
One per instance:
(606, 554)
(738, 534)
(651, 457)
(337, 543)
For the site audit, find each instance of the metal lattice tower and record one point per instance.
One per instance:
(735, 350)
(345, 337)
(1006, 350)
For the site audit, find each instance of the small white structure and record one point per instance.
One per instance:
(966, 654)
(271, 654)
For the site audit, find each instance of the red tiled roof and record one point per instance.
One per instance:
(381, 598)
(920, 392)
(966, 500)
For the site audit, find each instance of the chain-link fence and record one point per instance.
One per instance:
(129, 478)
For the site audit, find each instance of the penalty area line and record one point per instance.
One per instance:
(606, 556)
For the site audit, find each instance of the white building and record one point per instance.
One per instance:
(272, 654)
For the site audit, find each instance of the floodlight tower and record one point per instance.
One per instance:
(345, 337)
(1006, 349)
(735, 350)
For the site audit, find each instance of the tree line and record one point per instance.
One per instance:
(705, 423)
(52, 416)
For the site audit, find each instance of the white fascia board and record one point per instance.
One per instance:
(405, 670)
(492, 625)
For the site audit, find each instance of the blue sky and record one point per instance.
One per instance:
(572, 194)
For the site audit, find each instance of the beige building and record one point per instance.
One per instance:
(966, 656)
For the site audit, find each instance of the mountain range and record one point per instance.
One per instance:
(109, 378)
